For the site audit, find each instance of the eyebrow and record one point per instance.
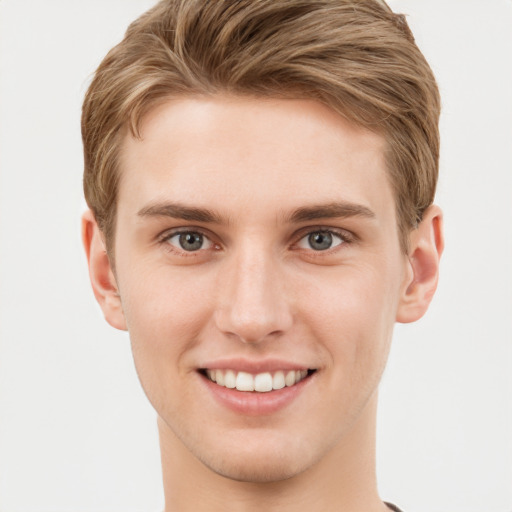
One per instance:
(330, 211)
(302, 214)
(179, 211)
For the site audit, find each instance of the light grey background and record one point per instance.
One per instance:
(76, 432)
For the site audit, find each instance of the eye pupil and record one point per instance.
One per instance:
(320, 240)
(191, 241)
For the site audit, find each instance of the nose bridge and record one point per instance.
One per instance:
(253, 303)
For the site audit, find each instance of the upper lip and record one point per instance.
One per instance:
(253, 366)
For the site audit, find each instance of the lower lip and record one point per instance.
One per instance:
(252, 403)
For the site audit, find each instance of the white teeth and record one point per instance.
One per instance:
(244, 382)
(262, 382)
(278, 380)
(290, 378)
(230, 379)
(219, 378)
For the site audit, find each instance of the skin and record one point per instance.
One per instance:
(257, 289)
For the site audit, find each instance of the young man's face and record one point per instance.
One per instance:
(257, 236)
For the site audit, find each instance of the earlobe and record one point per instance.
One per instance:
(420, 283)
(102, 277)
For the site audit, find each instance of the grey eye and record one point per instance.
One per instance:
(320, 240)
(190, 241)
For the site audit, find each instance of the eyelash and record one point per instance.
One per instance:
(346, 237)
(165, 237)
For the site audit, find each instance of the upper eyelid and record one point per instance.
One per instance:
(163, 241)
(344, 234)
(169, 233)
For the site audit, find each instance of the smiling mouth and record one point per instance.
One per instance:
(259, 383)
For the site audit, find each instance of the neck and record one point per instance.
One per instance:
(343, 480)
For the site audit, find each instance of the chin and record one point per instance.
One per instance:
(261, 461)
(272, 469)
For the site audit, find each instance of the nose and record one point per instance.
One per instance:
(253, 305)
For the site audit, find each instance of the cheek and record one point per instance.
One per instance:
(165, 312)
(352, 311)
(361, 296)
(160, 297)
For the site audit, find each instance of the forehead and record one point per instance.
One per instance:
(233, 151)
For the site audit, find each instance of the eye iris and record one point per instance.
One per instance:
(320, 240)
(191, 241)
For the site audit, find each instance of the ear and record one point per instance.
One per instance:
(426, 246)
(100, 272)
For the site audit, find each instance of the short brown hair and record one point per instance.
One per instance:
(355, 56)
